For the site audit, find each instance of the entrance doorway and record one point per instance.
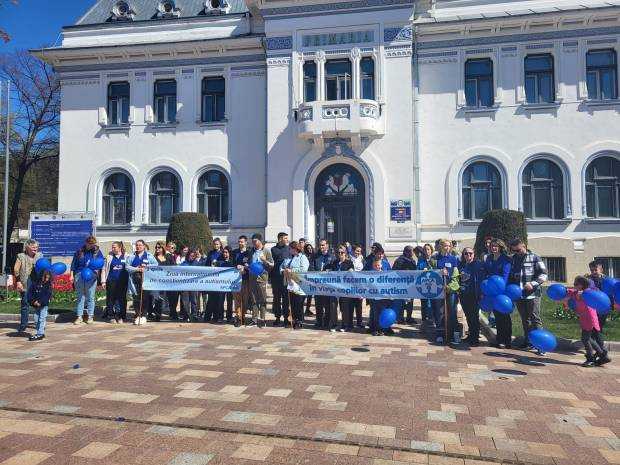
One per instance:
(339, 200)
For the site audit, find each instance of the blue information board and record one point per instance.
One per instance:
(60, 237)
(400, 211)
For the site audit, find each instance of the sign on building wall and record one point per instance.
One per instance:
(61, 234)
(400, 211)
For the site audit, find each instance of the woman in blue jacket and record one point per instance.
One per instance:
(84, 289)
(472, 273)
(136, 263)
(498, 263)
(424, 255)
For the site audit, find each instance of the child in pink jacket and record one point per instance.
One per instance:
(596, 355)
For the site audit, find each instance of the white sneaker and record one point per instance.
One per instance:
(143, 320)
(341, 330)
(77, 321)
(333, 330)
(439, 340)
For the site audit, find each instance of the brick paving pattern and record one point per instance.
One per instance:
(193, 394)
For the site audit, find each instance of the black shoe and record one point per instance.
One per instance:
(508, 346)
(375, 333)
(174, 318)
(602, 359)
(250, 323)
(389, 332)
(473, 343)
(526, 346)
(589, 363)
(360, 325)
(237, 323)
(36, 337)
(411, 321)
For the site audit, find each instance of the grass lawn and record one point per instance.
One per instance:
(568, 329)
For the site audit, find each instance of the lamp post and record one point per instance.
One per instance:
(5, 238)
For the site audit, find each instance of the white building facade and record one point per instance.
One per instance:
(391, 121)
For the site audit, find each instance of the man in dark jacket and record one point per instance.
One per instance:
(242, 258)
(405, 262)
(325, 305)
(279, 253)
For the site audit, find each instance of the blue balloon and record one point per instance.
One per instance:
(608, 285)
(502, 304)
(87, 274)
(598, 300)
(41, 265)
(257, 268)
(96, 263)
(617, 292)
(59, 268)
(542, 339)
(557, 292)
(492, 286)
(486, 303)
(387, 318)
(513, 291)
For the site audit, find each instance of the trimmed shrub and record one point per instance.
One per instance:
(501, 224)
(191, 230)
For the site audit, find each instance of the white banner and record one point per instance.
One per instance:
(191, 278)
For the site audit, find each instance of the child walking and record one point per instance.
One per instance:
(596, 355)
(38, 296)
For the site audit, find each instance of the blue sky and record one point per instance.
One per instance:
(36, 23)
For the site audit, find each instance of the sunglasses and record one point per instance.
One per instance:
(342, 251)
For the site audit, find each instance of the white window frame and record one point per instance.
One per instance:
(495, 58)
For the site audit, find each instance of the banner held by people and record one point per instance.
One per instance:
(191, 278)
(373, 285)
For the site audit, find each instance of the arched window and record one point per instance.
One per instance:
(543, 191)
(213, 196)
(163, 197)
(482, 190)
(603, 188)
(117, 199)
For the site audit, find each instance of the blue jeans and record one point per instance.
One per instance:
(24, 309)
(40, 316)
(85, 296)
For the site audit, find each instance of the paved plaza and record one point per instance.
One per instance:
(192, 394)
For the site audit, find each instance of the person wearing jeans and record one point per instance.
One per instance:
(21, 273)
(38, 296)
(529, 272)
(84, 289)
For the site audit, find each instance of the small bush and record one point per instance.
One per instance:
(191, 230)
(501, 224)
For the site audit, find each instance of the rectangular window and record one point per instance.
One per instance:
(213, 99)
(165, 101)
(539, 80)
(479, 82)
(556, 268)
(367, 72)
(601, 75)
(309, 81)
(118, 103)
(611, 266)
(338, 80)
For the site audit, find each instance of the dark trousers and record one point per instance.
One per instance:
(503, 325)
(440, 313)
(116, 299)
(189, 300)
(297, 306)
(376, 307)
(228, 297)
(159, 303)
(308, 303)
(469, 302)
(356, 306)
(280, 299)
(212, 306)
(346, 312)
(593, 343)
(326, 311)
(602, 319)
(173, 302)
(529, 310)
(426, 309)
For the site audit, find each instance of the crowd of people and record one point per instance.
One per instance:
(463, 274)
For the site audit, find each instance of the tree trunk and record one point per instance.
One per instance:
(14, 204)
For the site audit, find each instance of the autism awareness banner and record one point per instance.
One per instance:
(373, 284)
(191, 278)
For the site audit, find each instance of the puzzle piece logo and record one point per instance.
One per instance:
(429, 284)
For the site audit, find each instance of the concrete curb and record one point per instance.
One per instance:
(564, 345)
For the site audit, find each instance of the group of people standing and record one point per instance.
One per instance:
(463, 274)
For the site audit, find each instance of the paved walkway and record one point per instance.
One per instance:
(192, 394)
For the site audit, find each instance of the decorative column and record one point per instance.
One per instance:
(320, 75)
(355, 57)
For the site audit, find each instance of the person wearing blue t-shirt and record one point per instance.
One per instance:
(498, 263)
(84, 289)
(115, 279)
